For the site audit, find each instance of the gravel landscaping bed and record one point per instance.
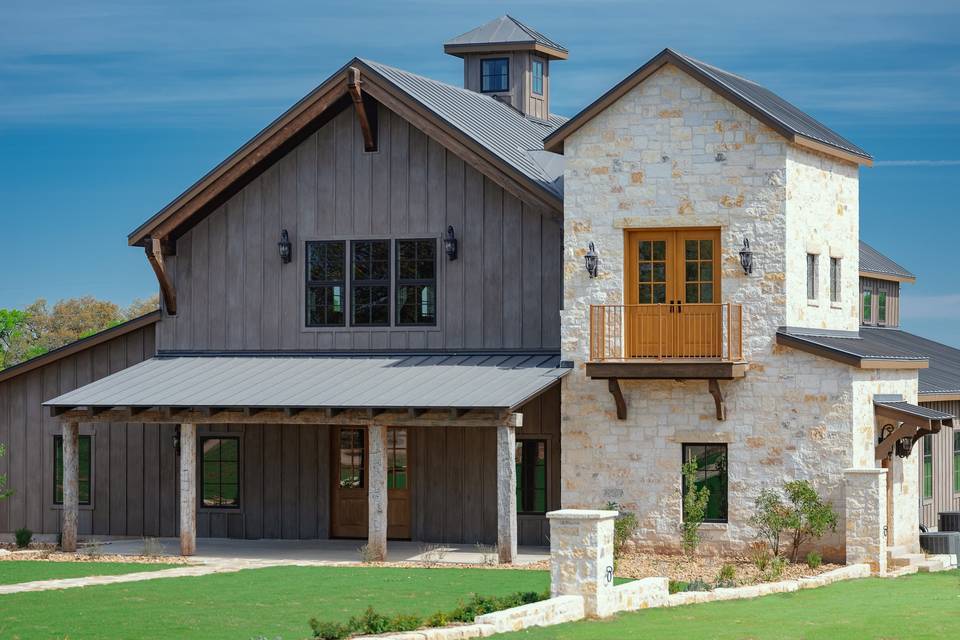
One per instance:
(681, 568)
(48, 553)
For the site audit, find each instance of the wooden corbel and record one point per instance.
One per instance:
(155, 252)
(714, 386)
(365, 108)
(614, 386)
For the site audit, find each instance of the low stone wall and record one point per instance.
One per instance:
(538, 614)
(640, 594)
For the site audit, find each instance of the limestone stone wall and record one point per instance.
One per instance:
(865, 540)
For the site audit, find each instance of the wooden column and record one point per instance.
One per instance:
(377, 493)
(71, 485)
(506, 494)
(188, 489)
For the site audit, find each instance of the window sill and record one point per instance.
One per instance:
(714, 526)
(836, 305)
(83, 507)
(220, 510)
(812, 303)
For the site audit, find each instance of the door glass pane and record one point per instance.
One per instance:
(659, 294)
(698, 271)
(397, 459)
(352, 457)
(706, 293)
(646, 253)
(652, 257)
(646, 296)
(660, 250)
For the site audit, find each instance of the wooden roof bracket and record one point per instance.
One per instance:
(366, 110)
(613, 384)
(155, 252)
(906, 430)
(714, 387)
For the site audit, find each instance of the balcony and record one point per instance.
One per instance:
(666, 342)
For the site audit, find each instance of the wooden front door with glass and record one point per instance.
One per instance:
(672, 296)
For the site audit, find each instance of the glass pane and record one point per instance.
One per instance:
(706, 293)
(690, 249)
(211, 472)
(646, 272)
(230, 495)
(706, 249)
(646, 251)
(229, 449)
(659, 293)
(659, 272)
(867, 307)
(706, 271)
(692, 271)
(659, 250)
(211, 449)
(692, 294)
(645, 297)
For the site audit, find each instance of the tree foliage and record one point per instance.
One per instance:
(770, 519)
(804, 516)
(695, 502)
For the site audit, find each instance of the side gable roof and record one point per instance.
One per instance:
(876, 265)
(493, 137)
(767, 107)
(505, 30)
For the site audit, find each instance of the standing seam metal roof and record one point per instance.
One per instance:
(503, 30)
(943, 374)
(873, 261)
(921, 412)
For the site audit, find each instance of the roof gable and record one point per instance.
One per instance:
(504, 32)
(767, 107)
(876, 265)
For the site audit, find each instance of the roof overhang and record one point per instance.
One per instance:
(907, 423)
(938, 397)
(810, 344)
(461, 50)
(875, 275)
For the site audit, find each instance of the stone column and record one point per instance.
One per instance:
(71, 485)
(865, 514)
(377, 493)
(188, 489)
(581, 558)
(506, 494)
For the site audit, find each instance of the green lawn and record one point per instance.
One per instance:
(14, 571)
(916, 607)
(274, 602)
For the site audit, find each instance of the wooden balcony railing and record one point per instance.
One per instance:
(666, 332)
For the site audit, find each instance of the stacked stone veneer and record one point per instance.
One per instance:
(581, 558)
(651, 160)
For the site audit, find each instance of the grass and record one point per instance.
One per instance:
(916, 607)
(16, 571)
(273, 602)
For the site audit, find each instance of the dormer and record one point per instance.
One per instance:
(509, 61)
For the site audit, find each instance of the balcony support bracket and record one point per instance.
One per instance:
(714, 386)
(613, 384)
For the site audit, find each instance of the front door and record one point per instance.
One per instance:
(672, 294)
(350, 509)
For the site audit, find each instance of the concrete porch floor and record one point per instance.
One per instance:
(321, 551)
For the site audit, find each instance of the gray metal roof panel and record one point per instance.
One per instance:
(496, 126)
(922, 412)
(503, 30)
(943, 374)
(859, 345)
(489, 381)
(873, 261)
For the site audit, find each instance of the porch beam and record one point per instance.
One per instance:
(71, 486)
(714, 387)
(366, 112)
(613, 385)
(506, 494)
(155, 253)
(188, 489)
(377, 493)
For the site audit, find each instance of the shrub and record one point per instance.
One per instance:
(777, 565)
(694, 508)
(623, 528)
(809, 516)
(677, 586)
(698, 585)
(727, 576)
(771, 519)
(370, 622)
(329, 630)
(814, 560)
(760, 556)
(23, 537)
(403, 622)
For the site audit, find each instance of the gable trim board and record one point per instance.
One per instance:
(836, 146)
(306, 116)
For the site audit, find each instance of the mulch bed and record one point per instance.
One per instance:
(684, 569)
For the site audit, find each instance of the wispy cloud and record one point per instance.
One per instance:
(916, 163)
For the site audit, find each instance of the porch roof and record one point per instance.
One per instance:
(427, 381)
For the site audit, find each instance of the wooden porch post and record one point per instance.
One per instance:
(377, 493)
(506, 494)
(188, 489)
(71, 485)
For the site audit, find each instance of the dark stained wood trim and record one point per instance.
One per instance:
(460, 50)
(714, 387)
(365, 115)
(154, 250)
(614, 386)
(938, 397)
(667, 370)
(873, 275)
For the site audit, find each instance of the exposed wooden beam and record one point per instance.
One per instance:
(135, 411)
(332, 412)
(290, 411)
(366, 110)
(416, 413)
(155, 255)
(373, 412)
(714, 386)
(613, 384)
(456, 414)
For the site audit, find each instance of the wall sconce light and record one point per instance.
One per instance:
(903, 447)
(286, 250)
(746, 257)
(450, 243)
(590, 261)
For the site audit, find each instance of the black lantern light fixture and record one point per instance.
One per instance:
(286, 250)
(903, 447)
(746, 257)
(450, 243)
(591, 261)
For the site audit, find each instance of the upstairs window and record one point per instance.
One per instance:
(882, 307)
(220, 470)
(867, 304)
(812, 276)
(834, 279)
(956, 460)
(531, 461)
(537, 79)
(416, 282)
(326, 275)
(927, 467)
(84, 464)
(712, 474)
(495, 75)
(370, 283)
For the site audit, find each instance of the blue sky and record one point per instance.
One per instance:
(110, 108)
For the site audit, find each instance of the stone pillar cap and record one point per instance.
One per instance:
(583, 514)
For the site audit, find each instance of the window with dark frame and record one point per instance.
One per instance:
(867, 305)
(956, 460)
(352, 455)
(220, 472)
(531, 462)
(494, 75)
(537, 75)
(416, 282)
(927, 467)
(834, 279)
(85, 454)
(882, 307)
(326, 283)
(397, 465)
(370, 283)
(812, 276)
(712, 474)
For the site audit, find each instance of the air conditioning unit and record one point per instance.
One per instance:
(949, 521)
(942, 543)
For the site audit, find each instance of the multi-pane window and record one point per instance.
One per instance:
(927, 467)
(834, 279)
(352, 454)
(84, 464)
(397, 473)
(537, 79)
(653, 272)
(531, 461)
(711, 473)
(416, 282)
(956, 460)
(881, 307)
(220, 472)
(698, 261)
(326, 276)
(867, 307)
(495, 74)
(812, 276)
(370, 283)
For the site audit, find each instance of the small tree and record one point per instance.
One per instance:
(3, 478)
(624, 527)
(694, 508)
(808, 517)
(770, 519)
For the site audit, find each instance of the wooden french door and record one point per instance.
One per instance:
(349, 506)
(679, 270)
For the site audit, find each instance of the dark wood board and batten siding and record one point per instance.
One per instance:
(945, 498)
(502, 292)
